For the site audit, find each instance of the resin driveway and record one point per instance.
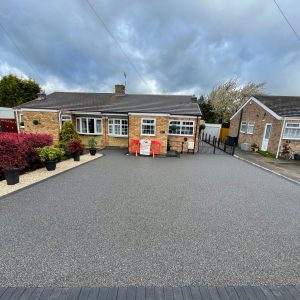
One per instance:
(127, 221)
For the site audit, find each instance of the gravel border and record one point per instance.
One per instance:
(39, 175)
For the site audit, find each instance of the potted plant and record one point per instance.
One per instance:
(49, 155)
(92, 143)
(12, 160)
(74, 148)
(254, 148)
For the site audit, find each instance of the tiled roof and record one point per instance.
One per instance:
(108, 102)
(284, 106)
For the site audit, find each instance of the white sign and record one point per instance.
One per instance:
(145, 147)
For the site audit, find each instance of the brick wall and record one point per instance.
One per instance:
(255, 113)
(161, 135)
(48, 123)
(162, 130)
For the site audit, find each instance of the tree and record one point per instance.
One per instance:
(229, 96)
(15, 91)
(208, 114)
(67, 134)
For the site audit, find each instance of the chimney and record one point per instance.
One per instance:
(194, 99)
(41, 95)
(119, 89)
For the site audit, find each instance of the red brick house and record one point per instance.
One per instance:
(268, 121)
(115, 119)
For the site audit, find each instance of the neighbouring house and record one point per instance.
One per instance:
(7, 120)
(116, 119)
(268, 121)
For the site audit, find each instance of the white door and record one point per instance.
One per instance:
(266, 137)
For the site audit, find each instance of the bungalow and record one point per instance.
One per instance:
(116, 119)
(268, 121)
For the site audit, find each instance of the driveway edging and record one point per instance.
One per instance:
(266, 169)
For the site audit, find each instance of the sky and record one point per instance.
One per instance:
(169, 46)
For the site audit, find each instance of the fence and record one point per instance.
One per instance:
(8, 125)
(226, 146)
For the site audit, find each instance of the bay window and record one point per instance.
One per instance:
(89, 125)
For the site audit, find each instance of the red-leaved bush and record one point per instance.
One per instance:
(11, 156)
(74, 146)
(27, 144)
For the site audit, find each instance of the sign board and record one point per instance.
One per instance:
(145, 147)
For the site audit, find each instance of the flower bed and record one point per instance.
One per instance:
(20, 150)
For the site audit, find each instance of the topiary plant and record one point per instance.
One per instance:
(92, 143)
(67, 134)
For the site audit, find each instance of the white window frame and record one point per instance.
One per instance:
(146, 124)
(250, 124)
(291, 125)
(79, 119)
(114, 124)
(180, 126)
(243, 123)
(21, 119)
(65, 118)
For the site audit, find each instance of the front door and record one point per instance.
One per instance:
(266, 137)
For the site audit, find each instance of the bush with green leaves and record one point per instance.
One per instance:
(67, 133)
(50, 153)
(92, 143)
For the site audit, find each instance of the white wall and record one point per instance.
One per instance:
(212, 129)
(6, 113)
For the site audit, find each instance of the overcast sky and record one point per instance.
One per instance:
(177, 46)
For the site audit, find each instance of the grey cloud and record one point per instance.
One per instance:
(176, 45)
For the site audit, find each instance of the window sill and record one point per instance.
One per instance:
(292, 139)
(148, 134)
(89, 133)
(249, 133)
(180, 134)
(118, 136)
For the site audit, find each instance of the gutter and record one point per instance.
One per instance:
(280, 139)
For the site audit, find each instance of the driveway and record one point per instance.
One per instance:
(127, 221)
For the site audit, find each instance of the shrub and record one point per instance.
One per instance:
(74, 146)
(267, 154)
(28, 144)
(67, 134)
(11, 155)
(50, 153)
(92, 143)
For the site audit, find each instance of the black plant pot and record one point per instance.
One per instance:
(50, 165)
(12, 176)
(93, 151)
(76, 156)
(296, 156)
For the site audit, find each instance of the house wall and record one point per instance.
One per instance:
(177, 142)
(253, 112)
(48, 123)
(294, 144)
(161, 135)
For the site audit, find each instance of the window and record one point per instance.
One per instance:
(21, 119)
(243, 127)
(292, 131)
(250, 127)
(118, 127)
(181, 127)
(148, 127)
(88, 125)
(66, 118)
